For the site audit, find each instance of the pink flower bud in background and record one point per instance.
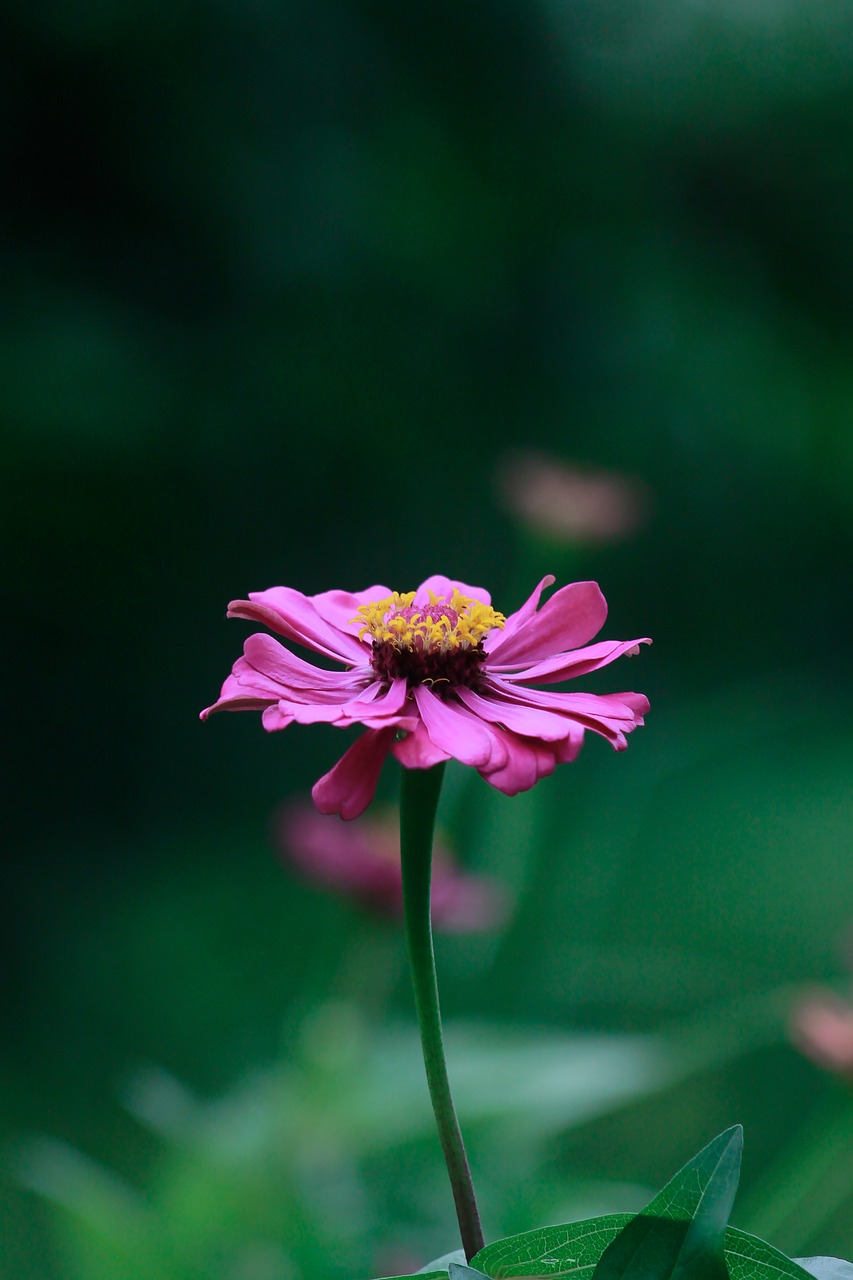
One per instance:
(821, 1027)
(569, 503)
(361, 860)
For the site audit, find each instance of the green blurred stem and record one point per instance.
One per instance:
(419, 793)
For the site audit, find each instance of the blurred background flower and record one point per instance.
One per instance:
(361, 860)
(822, 1029)
(578, 505)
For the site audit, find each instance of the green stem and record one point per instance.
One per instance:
(419, 793)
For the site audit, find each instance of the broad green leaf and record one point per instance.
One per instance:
(680, 1234)
(574, 1249)
(827, 1268)
(749, 1258)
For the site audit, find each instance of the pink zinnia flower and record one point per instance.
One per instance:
(432, 674)
(362, 860)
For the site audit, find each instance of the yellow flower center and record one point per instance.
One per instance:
(436, 643)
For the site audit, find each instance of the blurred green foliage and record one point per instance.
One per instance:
(282, 283)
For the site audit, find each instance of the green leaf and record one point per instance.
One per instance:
(574, 1248)
(460, 1271)
(749, 1258)
(571, 1249)
(680, 1235)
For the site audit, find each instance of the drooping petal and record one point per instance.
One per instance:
(276, 717)
(520, 617)
(571, 617)
(444, 588)
(312, 712)
(497, 736)
(350, 785)
(290, 672)
(245, 689)
(638, 702)
(617, 706)
(291, 614)
(449, 729)
(416, 751)
(378, 701)
(527, 761)
(531, 721)
(569, 748)
(566, 666)
(608, 714)
(376, 706)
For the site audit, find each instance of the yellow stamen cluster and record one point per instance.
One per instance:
(457, 623)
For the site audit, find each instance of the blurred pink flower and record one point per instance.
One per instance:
(362, 860)
(432, 674)
(571, 503)
(822, 1029)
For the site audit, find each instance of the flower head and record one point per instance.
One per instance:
(432, 674)
(362, 861)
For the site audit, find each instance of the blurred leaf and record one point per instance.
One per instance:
(368, 1088)
(827, 1268)
(442, 1263)
(427, 1275)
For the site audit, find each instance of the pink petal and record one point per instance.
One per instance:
(415, 751)
(314, 712)
(616, 706)
(292, 673)
(565, 666)
(276, 717)
(571, 617)
(292, 614)
(611, 715)
(451, 730)
(245, 689)
(638, 702)
(569, 748)
(375, 707)
(529, 721)
(527, 762)
(340, 607)
(520, 617)
(498, 757)
(378, 701)
(444, 587)
(350, 785)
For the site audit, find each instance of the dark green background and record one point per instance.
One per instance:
(281, 284)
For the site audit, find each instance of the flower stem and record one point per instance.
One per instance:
(419, 793)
